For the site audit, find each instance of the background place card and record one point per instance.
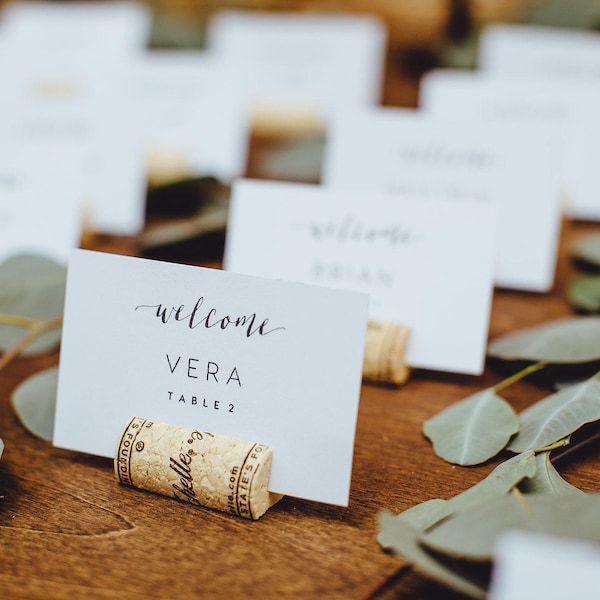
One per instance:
(100, 28)
(540, 52)
(188, 112)
(40, 201)
(569, 111)
(529, 565)
(426, 264)
(406, 153)
(52, 101)
(268, 361)
(302, 60)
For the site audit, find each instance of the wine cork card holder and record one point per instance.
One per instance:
(196, 467)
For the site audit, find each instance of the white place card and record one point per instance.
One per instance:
(40, 201)
(405, 152)
(102, 28)
(570, 112)
(540, 52)
(529, 565)
(261, 360)
(425, 263)
(187, 108)
(51, 103)
(302, 60)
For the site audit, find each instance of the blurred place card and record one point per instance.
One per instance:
(532, 565)
(53, 103)
(404, 152)
(301, 60)
(268, 361)
(570, 112)
(105, 29)
(540, 52)
(426, 264)
(189, 114)
(40, 201)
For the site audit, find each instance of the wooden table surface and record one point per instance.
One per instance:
(69, 530)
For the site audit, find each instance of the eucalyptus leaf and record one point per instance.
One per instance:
(472, 534)
(31, 286)
(583, 293)
(547, 479)
(34, 402)
(1, 448)
(587, 249)
(576, 14)
(401, 537)
(571, 340)
(557, 416)
(472, 430)
(498, 483)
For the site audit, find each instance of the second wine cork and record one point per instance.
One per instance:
(385, 348)
(196, 467)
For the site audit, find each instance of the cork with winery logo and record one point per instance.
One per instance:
(196, 467)
(385, 347)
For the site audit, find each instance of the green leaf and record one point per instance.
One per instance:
(1, 448)
(587, 249)
(547, 479)
(473, 430)
(498, 483)
(583, 293)
(31, 286)
(557, 416)
(401, 537)
(575, 14)
(570, 516)
(34, 402)
(572, 340)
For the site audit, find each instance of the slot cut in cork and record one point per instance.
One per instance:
(385, 348)
(196, 467)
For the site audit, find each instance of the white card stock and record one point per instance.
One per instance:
(425, 263)
(262, 360)
(529, 565)
(40, 202)
(568, 111)
(302, 60)
(187, 108)
(106, 29)
(51, 102)
(407, 153)
(540, 52)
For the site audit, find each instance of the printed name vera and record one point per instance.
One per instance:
(199, 316)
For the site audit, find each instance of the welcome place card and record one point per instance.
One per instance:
(40, 201)
(540, 52)
(427, 264)
(404, 152)
(262, 360)
(569, 112)
(302, 60)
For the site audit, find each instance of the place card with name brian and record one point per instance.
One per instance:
(405, 152)
(569, 112)
(427, 264)
(268, 361)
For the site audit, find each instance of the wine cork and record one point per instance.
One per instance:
(385, 348)
(196, 467)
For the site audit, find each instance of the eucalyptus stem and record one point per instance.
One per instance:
(518, 376)
(35, 329)
(558, 444)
